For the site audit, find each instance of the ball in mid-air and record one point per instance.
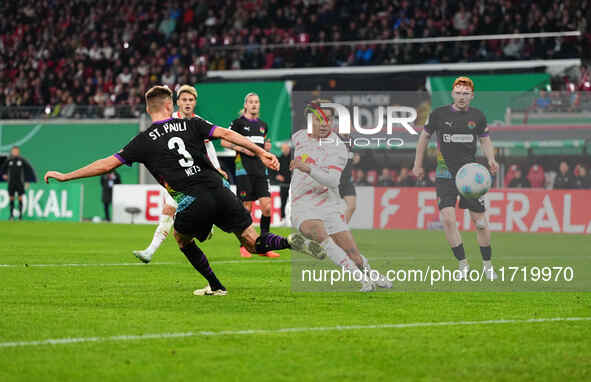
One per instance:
(473, 180)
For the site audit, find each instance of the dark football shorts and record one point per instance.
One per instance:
(16, 188)
(447, 196)
(217, 206)
(252, 187)
(346, 188)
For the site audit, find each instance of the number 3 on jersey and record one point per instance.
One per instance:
(176, 143)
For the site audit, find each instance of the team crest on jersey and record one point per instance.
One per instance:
(262, 130)
(471, 124)
(243, 194)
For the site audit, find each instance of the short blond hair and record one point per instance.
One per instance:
(157, 95)
(186, 89)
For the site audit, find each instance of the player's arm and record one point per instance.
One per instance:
(489, 152)
(267, 158)
(329, 174)
(418, 169)
(329, 177)
(99, 167)
(232, 146)
(235, 147)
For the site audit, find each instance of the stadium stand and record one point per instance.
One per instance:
(108, 55)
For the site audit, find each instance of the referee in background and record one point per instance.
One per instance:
(13, 171)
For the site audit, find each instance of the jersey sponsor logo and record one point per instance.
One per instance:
(449, 123)
(471, 124)
(247, 128)
(458, 138)
(256, 139)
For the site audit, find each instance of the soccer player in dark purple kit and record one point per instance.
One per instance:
(173, 151)
(459, 127)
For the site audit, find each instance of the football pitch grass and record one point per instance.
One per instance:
(114, 319)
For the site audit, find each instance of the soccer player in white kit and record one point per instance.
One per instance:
(186, 101)
(319, 159)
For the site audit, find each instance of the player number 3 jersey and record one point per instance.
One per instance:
(173, 150)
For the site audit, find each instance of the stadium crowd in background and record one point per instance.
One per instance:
(109, 55)
(537, 173)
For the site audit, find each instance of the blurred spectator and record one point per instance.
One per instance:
(385, 179)
(427, 181)
(543, 102)
(582, 179)
(509, 175)
(88, 47)
(405, 179)
(535, 176)
(564, 179)
(361, 179)
(519, 181)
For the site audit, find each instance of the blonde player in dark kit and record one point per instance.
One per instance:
(459, 127)
(252, 178)
(173, 150)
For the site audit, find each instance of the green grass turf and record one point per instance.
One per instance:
(40, 303)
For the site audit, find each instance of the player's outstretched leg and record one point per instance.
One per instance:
(447, 216)
(161, 233)
(315, 229)
(199, 261)
(268, 241)
(345, 241)
(483, 236)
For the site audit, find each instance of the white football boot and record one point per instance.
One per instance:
(208, 292)
(145, 256)
(300, 243)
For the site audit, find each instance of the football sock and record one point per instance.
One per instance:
(338, 256)
(486, 253)
(265, 223)
(199, 261)
(270, 242)
(20, 209)
(459, 252)
(162, 231)
(11, 205)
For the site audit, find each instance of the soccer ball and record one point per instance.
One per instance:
(473, 180)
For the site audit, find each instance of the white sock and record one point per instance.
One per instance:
(338, 256)
(162, 231)
(486, 264)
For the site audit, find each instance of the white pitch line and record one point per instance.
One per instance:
(141, 264)
(64, 341)
(178, 263)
